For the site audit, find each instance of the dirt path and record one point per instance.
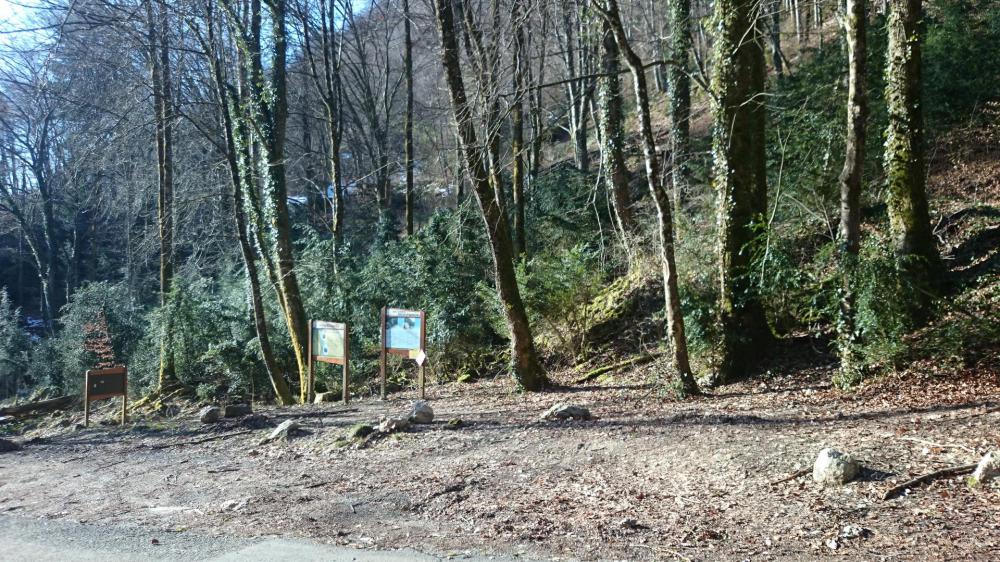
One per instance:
(651, 478)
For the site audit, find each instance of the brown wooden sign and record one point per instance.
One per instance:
(105, 383)
(404, 333)
(329, 342)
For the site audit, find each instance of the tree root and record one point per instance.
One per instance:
(634, 361)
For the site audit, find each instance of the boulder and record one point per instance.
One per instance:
(988, 469)
(564, 411)
(237, 410)
(834, 468)
(421, 412)
(7, 446)
(322, 397)
(209, 414)
(284, 431)
(392, 425)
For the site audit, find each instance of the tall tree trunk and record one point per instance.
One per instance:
(613, 133)
(408, 115)
(740, 178)
(524, 359)
(909, 217)
(779, 68)
(855, 32)
(517, 135)
(163, 108)
(671, 293)
(680, 95)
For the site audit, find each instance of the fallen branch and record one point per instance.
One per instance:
(41, 406)
(202, 440)
(638, 360)
(792, 476)
(923, 479)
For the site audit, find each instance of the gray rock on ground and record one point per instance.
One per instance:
(564, 411)
(421, 412)
(210, 414)
(284, 431)
(988, 469)
(834, 468)
(237, 410)
(6, 446)
(392, 425)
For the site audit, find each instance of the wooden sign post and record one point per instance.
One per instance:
(404, 333)
(329, 342)
(105, 383)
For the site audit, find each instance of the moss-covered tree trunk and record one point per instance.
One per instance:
(613, 132)
(524, 359)
(675, 317)
(855, 33)
(159, 56)
(240, 170)
(909, 217)
(679, 82)
(740, 180)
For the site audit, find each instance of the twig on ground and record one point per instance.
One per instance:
(924, 478)
(941, 445)
(202, 440)
(792, 476)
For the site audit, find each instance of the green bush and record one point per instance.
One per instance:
(14, 349)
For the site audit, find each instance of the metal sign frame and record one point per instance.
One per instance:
(405, 353)
(343, 361)
(99, 374)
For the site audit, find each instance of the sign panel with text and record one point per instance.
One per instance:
(404, 333)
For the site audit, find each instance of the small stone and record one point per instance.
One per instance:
(988, 469)
(283, 431)
(234, 505)
(7, 446)
(237, 410)
(392, 425)
(454, 423)
(853, 531)
(563, 411)
(834, 468)
(421, 412)
(832, 544)
(209, 414)
(359, 431)
(322, 397)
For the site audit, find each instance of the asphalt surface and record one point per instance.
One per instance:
(35, 540)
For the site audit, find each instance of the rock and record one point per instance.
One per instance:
(283, 431)
(988, 469)
(234, 505)
(392, 425)
(7, 446)
(834, 468)
(322, 397)
(359, 431)
(209, 414)
(563, 411)
(454, 423)
(237, 410)
(422, 412)
(853, 531)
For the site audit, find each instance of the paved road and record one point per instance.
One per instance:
(36, 540)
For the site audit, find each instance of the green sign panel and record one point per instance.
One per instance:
(328, 339)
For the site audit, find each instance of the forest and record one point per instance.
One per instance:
(672, 205)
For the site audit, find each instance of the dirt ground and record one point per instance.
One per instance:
(652, 478)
